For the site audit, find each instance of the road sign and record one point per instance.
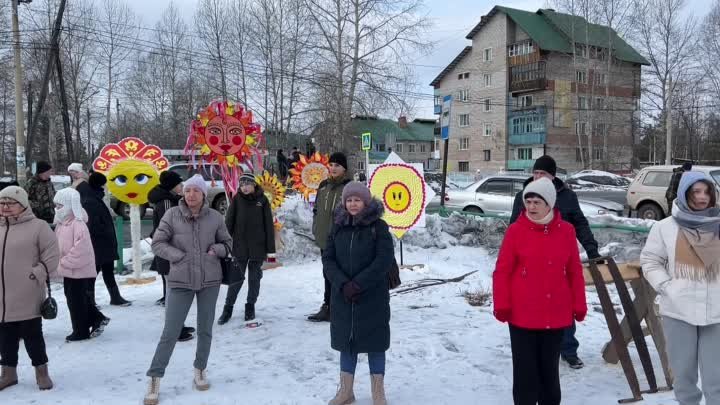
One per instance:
(366, 141)
(445, 118)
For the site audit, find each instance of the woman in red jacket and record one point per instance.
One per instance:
(538, 288)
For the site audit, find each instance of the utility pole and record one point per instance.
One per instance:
(19, 116)
(668, 123)
(117, 117)
(64, 108)
(89, 145)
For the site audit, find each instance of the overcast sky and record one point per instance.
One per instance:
(452, 19)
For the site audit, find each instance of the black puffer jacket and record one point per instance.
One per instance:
(249, 220)
(101, 226)
(162, 200)
(360, 249)
(567, 203)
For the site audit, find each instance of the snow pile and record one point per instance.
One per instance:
(146, 253)
(296, 217)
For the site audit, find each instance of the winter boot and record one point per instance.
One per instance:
(322, 316)
(117, 299)
(345, 394)
(226, 315)
(377, 382)
(160, 302)
(8, 377)
(249, 312)
(185, 335)
(153, 394)
(200, 381)
(574, 362)
(43, 377)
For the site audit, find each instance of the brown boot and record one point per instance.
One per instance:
(345, 394)
(8, 377)
(152, 397)
(377, 382)
(43, 378)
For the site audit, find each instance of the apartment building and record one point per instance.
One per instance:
(534, 83)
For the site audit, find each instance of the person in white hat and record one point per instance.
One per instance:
(78, 176)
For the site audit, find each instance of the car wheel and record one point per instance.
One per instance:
(472, 209)
(220, 204)
(650, 211)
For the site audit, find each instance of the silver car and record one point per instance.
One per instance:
(496, 194)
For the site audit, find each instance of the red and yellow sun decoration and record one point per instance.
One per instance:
(273, 188)
(132, 168)
(308, 173)
(225, 133)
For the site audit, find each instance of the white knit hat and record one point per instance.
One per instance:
(543, 187)
(69, 198)
(196, 181)
(75, 167)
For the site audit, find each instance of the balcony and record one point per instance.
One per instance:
(528, 85)
(528, 77)
(438, 109)
(520, 164)
(528, 139)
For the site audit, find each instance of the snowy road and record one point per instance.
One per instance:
(443, 350)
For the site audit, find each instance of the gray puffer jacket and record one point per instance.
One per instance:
(184, 241)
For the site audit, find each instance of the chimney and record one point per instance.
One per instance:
(402, 122)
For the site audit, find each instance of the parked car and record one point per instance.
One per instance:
(212, 176)
(646, 193)
(495, 195)
(597, 178)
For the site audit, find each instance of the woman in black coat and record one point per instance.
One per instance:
(249, 220)
(102, 231)
(357, 260)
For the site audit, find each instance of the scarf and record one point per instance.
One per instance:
(705, 221)
(697, 256)
(548, 218)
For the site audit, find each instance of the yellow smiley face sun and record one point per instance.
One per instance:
(402, 190)
(397, 197)
(130, 181)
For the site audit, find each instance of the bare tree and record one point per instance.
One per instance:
(711, 46)
(213, 26)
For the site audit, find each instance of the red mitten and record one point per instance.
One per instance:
(580, 315)
(502, 315)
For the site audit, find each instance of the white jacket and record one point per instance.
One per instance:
(694, 302)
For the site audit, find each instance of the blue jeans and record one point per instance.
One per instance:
(348, 362)
(569, 345)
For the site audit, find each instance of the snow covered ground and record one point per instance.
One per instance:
(443, 350)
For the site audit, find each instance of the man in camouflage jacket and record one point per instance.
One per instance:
(41, 193)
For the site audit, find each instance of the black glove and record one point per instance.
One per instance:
(351, 291)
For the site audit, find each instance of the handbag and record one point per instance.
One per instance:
(230, 273)
(49, 307)
(394, 275)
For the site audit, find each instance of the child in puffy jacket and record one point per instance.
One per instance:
(77, 265)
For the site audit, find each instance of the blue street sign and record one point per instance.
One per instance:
(445, 118)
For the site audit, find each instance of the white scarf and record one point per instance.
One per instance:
(548, 218)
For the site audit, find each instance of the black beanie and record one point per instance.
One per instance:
(339, 158)
(97, 180)
(42, 167)
(546, 163)
(169, 179)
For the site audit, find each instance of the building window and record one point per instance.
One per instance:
(578, 156)
(487, 54)
(599, 103)
(581, 77)
(488, 129)
(524, 101)
(464, 76)
(464, 95)
(486, 155)
(488, 105)
(527, 124)
(487, 79)
(464, 143)
(581, 50)
(398, 147)
(423, 148)
(380, 147)
(582, 103)
(523, 48)
(464, 166)
(437, 145)
(411, 148)
(361, 165)
(580, 128)
(600, 79)
(464, 120)
(438, 100)
(598, 154)
(524, 154)
(601, 128)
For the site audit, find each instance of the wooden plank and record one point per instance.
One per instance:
(629, 271)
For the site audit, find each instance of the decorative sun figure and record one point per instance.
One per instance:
(401, 188)
(132, 168)
(308, 173)
(274, 189)
(224, 133)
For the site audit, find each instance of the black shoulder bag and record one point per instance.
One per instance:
(49, 308)
(230, 273)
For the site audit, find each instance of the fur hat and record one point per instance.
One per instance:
(169, 179)
(42, 167)
(340, 159)
(15, 193)
(356, 189)
(75, 167)
(547, 164)
(97, 180)
(196, 181)
(69, 198)
(544, 188)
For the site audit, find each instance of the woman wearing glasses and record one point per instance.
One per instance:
(24, 286)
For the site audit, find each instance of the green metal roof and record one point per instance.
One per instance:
(597, 35)
(380, 128)
(539, 29)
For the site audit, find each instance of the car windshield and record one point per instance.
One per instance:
(716, 176)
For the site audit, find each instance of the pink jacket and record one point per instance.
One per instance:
(77, 258)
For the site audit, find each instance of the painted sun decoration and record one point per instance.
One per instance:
(308, 173)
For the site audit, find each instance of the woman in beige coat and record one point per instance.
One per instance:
(24, 285)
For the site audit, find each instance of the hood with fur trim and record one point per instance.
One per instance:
(367, 216)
